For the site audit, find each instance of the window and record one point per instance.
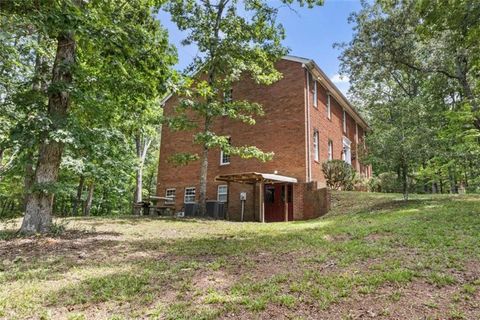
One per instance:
(356, 133)
(329, 109)
(346, 154)
(330, 150)
(170, 193)
(224, 157)
(315, 145)
(344, 121)
(315, 94)
(222, 193)
(269, 194)
(189, 195)
(228, 95)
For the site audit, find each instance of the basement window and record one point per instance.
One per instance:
(170, 193)
(189, 195)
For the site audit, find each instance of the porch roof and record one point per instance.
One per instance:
(253, 177)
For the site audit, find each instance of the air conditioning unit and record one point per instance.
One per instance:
(191, 209)
(216, 209)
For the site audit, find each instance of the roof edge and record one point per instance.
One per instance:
(328, 83)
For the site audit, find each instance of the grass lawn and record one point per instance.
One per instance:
(372, 256)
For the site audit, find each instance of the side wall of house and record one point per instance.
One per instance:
(281, 130)
(329, 129)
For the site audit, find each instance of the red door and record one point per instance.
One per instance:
(274, 205)
(290, 202)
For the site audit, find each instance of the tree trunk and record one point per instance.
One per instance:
(139, 174)
(461, 71)
(38, 215)
(405, 181)
(142, 144)
(1, 160)
(202, 205)
(89, 201)
(78, 199)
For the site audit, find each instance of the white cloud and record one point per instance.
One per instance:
(337, 79)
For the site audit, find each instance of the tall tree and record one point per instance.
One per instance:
(101, 48)
(234, 39)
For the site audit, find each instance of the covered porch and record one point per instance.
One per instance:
(272, 196)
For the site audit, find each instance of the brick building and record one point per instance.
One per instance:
(307, 121)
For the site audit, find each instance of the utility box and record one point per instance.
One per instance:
(216, 209)
(191, 209)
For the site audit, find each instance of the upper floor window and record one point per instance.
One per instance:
(329, 109)
(170, 194)
(315, 146)
(356, 133)
(222, 193)
(224, 156)
(330, 150)
(315, 94)
(228, 95)
(344, 121)
(189, 195)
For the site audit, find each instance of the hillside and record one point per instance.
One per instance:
(372, 256)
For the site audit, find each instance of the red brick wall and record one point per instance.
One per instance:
(281, 130)
(329, 129)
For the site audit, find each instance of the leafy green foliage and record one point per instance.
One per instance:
(235, 40)
(411, 65)
(122, 68)
(338, 174)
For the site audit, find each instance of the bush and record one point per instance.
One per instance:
(388, 182)
(338, 174)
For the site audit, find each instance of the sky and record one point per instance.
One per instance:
(310, 33)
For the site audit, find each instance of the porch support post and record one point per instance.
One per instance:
(228, 202)
(285, 201)
(262, 202)
(253, 202)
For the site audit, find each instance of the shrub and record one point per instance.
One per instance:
(389, 182)
(338, 174)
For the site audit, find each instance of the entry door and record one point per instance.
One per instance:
(274, 203)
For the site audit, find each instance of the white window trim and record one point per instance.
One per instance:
(218, 192)
(185, 195)
(329, 108)
(344, 121)
(316, 151)
(172, 198)
(222, 163)
(347, 151)
(356, 133)
(330, 150)
(315, 93)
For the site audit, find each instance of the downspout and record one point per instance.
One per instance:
(309, 165)
(307, 157)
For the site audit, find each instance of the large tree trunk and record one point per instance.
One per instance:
(78, 199)
(141, 145)
(461, 71)
(38, 215)
(405, 181)
(89, 201)
(28, 179)
(202, 205)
